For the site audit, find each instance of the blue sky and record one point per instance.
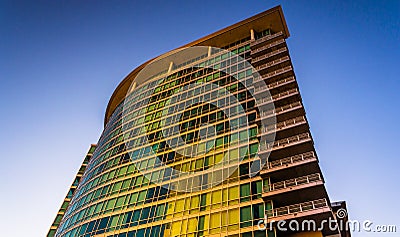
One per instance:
(61, 60)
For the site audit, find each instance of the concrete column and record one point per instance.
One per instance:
(133, 87)
(171, 64)
(252, 37)
(209, 51)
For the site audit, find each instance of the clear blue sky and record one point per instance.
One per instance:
(61, 60)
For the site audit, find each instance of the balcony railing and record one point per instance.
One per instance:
(278, 72)
(266, 38)
(284, 142)
(268, 55)
(270, 45)
(274, 84)
(293, 182)
(291, 160)
(281, 110)
(278, 96)
(274, 73)
(273, 63)
(297, 208)
(283, 124)
(281, 82)
(282, 164)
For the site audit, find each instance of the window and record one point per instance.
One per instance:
(244, 192)
(245, 216)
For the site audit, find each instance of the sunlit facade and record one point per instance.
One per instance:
(137, 183)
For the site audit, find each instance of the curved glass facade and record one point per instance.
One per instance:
(116, 196)
(209, 142)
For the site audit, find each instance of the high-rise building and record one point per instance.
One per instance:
(210, 139)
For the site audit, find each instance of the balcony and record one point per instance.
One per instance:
(286, 142)
(301, 210)
(280, 83)
(281, 110)
(292, 126)
(317, 211)
(289, 162)
(268, 46)
(273, 85)
(310, 182)
(263, 68)
(293, 122)
(277, 97)
(258, 60)
(265, 39)
(277, 72)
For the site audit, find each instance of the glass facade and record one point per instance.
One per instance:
(114, 195)
(208, 145)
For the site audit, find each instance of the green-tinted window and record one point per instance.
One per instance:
(58, 219)
(257, 188)
(201, 223)
(253, 148)
(114, 220)
(126, 183)
(160, 210)
(120, 202)
(203, 200)
(122, 171)
(110, 204)
(258, 211)
(98, 207)
(117, 186)
(133, 198)
(245, 216)
(142, 196)
(219, 142)
(245, 192)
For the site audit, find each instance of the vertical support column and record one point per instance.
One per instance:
(171, 65)
(133, 86)
(252, 37)
(209, 51)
